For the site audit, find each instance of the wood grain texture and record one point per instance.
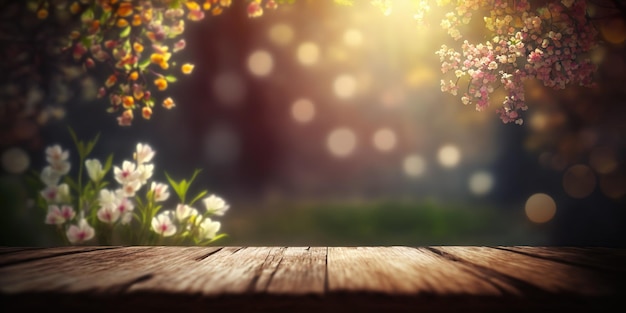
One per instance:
(310, 279)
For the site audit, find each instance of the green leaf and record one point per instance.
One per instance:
(144, 63)
(72, 183)
(198, 196)
(177, 187)
(107, 164)
(125, 32)
(91, 144)
(216, 238)
(171, 78)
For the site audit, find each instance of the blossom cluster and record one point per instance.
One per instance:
(549, 43)
(93, 206)
(134, 41)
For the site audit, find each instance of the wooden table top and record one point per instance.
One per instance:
(312, 279)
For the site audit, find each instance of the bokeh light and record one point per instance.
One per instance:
(344, 86)
(449, 156)
(222, 145)
(341, 142)
(481, 183)
(353, 37)
(384, 139)
(579, 181)
(613, 185)
(308, 53)
(414, 165)
(540, 208)
(281, 34)
(303, 110)
(229, 88)
(260, 63)
(603, 159)
(15, 160)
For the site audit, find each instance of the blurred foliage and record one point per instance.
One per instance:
(381, 222)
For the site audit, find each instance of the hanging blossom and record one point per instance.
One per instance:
(58, 166)
(550, 43)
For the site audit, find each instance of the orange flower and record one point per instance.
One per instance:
(207, 5)
(225, 3)
(136, 20)
(164, 65)
(128, 102)
(75, 8)
(168, 103)
(110, 81)
(74, 34)
(138, 47)
(121, 23)
(146, 112)
(42, 14)
(187, 68)
(125, 9)
(151, 36)
(217, 11)
(133, 76)
(160, 83)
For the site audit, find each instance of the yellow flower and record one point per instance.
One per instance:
(147, 15)
(225, 3)
(125, 9)
(74, 34)
(75, 8)
(128, 102)
(160, 83)
(138, 94)
(137, 47)
(42, 14)
(157, 58)
(136, 20)
(168, 103)
(192, 6)
(164, 65)
(121, 23)
(207, 5)
(146, 112)
(187, 68)
(126, 118)
(133, 76)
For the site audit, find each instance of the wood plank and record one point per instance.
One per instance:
(548, 276)
(300, 271)
(603, 259)
(24, 255)
(96, 271)
(404, 270)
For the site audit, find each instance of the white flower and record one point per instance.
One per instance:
(49, 176)
(215, 205)
(130, 188)
(59, 216)
(208, 229)
(126, 218)
(124, 205)
(107, 198)
(61, 167)
(55, 154)
(126, 174)
(81, 232)
(160, 191)
(108, 214)
(162, 225)
(94, 169)
(56, 194)
(144, 153)
(184, 211)
(144, 172)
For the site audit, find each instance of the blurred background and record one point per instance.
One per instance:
(323, 124)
